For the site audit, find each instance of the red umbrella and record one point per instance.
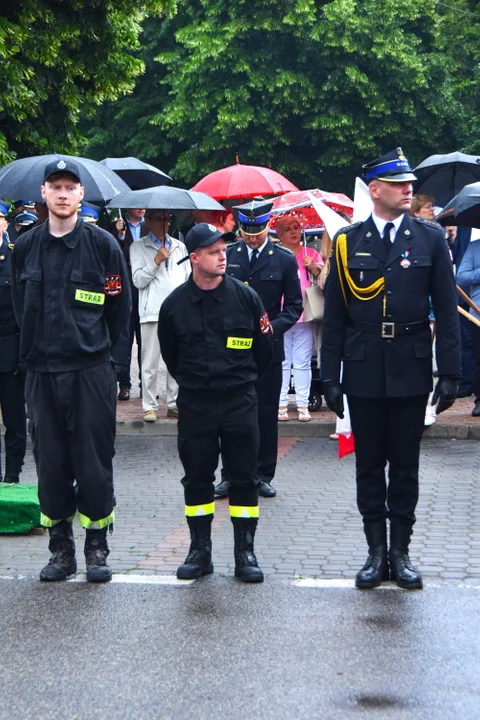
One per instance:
(243, 181)
(301, 201)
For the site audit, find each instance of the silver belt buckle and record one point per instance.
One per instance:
(388, 330)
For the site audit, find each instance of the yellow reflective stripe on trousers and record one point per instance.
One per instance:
(239, 511)
(88, 524)
(199, 510)
(48, 522)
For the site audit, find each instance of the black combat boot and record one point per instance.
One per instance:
(199, 559)
(246, 565)
(96, 553)
(401, 569)
(62, 546)
(375, 570)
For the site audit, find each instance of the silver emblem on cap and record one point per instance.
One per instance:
(212, 227)
(61, 165)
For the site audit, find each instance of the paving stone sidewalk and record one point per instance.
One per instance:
(457, 422)
(311, 528)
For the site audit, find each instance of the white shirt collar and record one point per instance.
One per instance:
(380, 225)
(259, 249)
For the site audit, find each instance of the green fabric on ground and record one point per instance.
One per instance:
(19, 508)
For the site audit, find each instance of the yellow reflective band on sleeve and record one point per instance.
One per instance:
(48, 522)
(238, 511)
(239, 343)
(88, 524)
(199, 510)
(89, 297)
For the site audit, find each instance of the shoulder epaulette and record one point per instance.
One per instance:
(347, 229)
(287, 250)
(429, 223)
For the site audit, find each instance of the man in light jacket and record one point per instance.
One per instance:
(468, 278)
(155, 273)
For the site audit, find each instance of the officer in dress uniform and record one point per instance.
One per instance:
(24, 221)
(89, 212)
(71, 299)
(382, 273)
(20, 206)
(216, 340)
(12, 382)
(272, 272)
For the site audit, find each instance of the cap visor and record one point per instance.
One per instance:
(253, 229)
(402, 177)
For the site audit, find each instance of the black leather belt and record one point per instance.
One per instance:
(388, 329)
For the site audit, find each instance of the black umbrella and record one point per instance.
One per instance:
(23, 178)
(464, 209)
(136, 173)
(443, 176)
(165, 198)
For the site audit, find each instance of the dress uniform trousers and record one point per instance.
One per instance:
(73, 415)
(12, 403)
(387, 429)
(210, 423)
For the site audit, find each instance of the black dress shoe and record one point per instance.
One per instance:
(221, 490)
(476, 410)
(124, 394)
(12, 479)
(266, 490)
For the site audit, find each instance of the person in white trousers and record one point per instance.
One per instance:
(298, 341)
(155, 273)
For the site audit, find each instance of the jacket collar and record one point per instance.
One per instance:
(198, 294)
(70, 240)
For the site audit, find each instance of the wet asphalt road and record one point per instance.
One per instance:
(220, 649)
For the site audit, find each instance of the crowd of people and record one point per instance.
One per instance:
(228, 314)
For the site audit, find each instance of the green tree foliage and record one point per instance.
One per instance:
(124, 127)
(312, 88)
(58, 57)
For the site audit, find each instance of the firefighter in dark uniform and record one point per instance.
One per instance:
(216, 340)
(272, 272)
(71, 299)
(12, 382)
(382, 273)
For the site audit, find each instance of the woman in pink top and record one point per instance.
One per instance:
(298, 341)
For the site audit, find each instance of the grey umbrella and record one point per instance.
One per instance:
(165, 198)
(443, 176)
(23, 178)
(136, 173)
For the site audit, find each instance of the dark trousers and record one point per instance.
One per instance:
(476, 351)
(468, 358)
(12, 402)
(123, 373)
(73, 417)
(268, 391)
(387, 430)
(208, 426)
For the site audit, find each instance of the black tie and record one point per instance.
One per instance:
(253, 259)
(386, 235)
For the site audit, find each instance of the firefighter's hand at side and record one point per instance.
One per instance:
(333, 397)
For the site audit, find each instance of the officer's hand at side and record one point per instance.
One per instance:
(161, 255)
(445, 393)
(333, 397)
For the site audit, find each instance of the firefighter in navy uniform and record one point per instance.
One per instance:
(382, 273)
(12, 381)
(216, 340)
(272, 272)
(71, 299)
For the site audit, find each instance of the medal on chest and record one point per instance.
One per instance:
(405, 262)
